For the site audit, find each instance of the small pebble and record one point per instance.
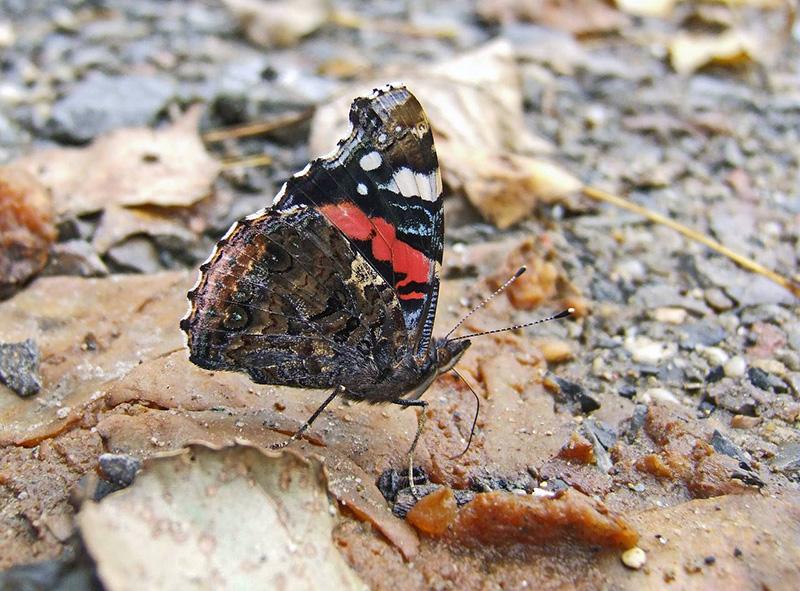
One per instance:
(744, 422)
(717, 299)
(714, 355)
(670, 315)
(659, 395)
(772, 366)
(735, 367)
(634, 558)
(647, 351)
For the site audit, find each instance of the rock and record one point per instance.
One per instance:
(706, 334)
(26, 228)
(648, 351)
(19, 367)
(717, 299)
(101, 103)
(735, 367)
(119, 469)
(744, 422)
(136, 254)
(571, 394)
(766, 381)
(75, 257)
(627, 391)
(787, 460)
(723, 445)
(670, 315)
(634, 558)
(660, 395)
(715, 374)
(714, 355)
(772, 366)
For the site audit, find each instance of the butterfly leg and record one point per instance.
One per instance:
(420, 425)
(304, 427)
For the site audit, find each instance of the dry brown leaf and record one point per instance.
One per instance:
(26, 227)
(275, 23)
(690, 52)
(474, 103)
(580, 17)
(119, 223)
(166, 167)
(235, 518)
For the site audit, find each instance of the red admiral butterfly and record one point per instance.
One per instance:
(335, 285)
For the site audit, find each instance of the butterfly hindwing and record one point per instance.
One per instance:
(382, 189)
(286, 299)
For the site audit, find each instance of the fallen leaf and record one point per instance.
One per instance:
(119, 223)
(690, 51)
(659, 8)
(26, 228)
(274, 23)
(136, 166)
(232, 518)
(580, 17)
(474, 103)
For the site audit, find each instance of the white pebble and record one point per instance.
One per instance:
(772, 366)
(735, 367)
(714, 355)
(648, 351)
(670, 315)
(634, 558)
(659, 395)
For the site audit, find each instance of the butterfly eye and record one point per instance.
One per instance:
(277, 259)
(236, 318)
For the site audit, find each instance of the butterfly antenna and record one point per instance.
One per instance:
(499, 290)
(474, 420)
(562, 314)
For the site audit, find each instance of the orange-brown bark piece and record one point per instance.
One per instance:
(578, 449)
(434, 513)
(26, 227)
(501, 518)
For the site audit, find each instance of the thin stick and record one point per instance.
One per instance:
(743, 261)
(261, 127)
(246, 161)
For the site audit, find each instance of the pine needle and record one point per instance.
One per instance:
(743, 261)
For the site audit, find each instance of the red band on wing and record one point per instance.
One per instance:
(385, 244)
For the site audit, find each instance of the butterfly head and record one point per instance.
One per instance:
(448, 353)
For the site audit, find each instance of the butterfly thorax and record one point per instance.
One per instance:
(411, 376)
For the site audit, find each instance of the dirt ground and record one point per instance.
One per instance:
(650, 441)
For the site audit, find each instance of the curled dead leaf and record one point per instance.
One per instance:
(233, 518)
(271, 23)
(137, 166)
(690, 52)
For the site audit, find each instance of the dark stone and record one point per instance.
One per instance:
(634, 424)
(627, 391)
(715, 374)
(392, 481)
(723, 445)
(406, 500)
(72, 571)
(74, 257)
(119, 469)
(766, 381)
(575, 396)
(19, 367)
(101, 103)
(605, 434)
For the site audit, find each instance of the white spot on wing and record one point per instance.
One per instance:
(408, 183)
(370, 161)
(305, 170)
(362, 189)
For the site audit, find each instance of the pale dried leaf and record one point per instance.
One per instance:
(580, 17)
(274, 23)
(137, 166)
(235, 518)
(119, 223)
(690, 52)
(659, 8)
(474, 103)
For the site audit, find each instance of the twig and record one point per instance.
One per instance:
(249, 129)
(743, 261)
(246, 161)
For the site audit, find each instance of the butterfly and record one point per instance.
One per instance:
(335, 285)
